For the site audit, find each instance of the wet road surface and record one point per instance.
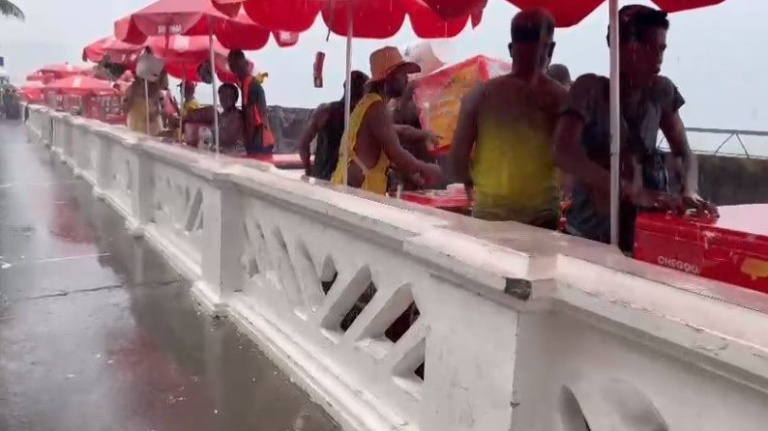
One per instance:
(98, 333)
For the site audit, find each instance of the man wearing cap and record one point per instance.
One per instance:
(372, 139)
(649, 103)
(502, 146)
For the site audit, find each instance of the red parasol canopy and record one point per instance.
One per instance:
(32, 91)
(242, 33)
(566, 12)
(194, 18)
(118, 51)
(184, 54)
(188, 72)
(57, 71)
(36, 76)
(375, 19)
(81, 85)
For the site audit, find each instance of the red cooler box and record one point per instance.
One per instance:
(733, 249)
(454, 199)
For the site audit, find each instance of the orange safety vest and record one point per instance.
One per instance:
(268, 139)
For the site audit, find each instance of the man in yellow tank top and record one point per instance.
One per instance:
(502, 147)
(372, 138)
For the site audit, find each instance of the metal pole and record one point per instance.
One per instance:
(615, 103)
(215, 95)
(181, 108)
(146, 103)
(347, 95)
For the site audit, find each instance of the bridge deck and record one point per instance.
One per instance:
(98, 333)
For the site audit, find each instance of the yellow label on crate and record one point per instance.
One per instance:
(439, 94)
(755, 268)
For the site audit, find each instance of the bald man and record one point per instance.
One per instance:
(505, 129)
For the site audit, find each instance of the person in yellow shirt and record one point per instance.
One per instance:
(372, 139)
(502, 146)
(190, 102)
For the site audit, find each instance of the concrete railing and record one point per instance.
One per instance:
(396, 317)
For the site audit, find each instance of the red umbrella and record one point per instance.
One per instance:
(36, 76)
(81, 85)
(184, 54)
(188, 72)
(118, 51)
(195, 18)
(32, 91)
(242, 33)
(377, 19)
(449, 9)
(566, 12)
(57, 71)
(170, 17)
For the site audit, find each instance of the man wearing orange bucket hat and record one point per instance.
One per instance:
(372, 140)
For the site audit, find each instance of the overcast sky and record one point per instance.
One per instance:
(717, 56)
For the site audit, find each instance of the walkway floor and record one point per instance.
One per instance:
(98, 333)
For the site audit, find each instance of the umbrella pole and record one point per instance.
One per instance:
(215, 94)
(615, 103)
(146, 103)
(347, 95)
(181, 95)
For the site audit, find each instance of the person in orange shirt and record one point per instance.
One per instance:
(258, 136)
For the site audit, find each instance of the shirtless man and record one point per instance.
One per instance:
(372, 139)
(327, 125)
(231, 137)
(505, 131)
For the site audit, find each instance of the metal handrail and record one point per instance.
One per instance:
(730, 134)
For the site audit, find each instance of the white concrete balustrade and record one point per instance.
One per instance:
(400, 318)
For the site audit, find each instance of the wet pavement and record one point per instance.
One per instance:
(98, 333)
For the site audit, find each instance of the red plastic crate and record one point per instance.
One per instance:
(454, 200)
(733, 248)
(438, 94)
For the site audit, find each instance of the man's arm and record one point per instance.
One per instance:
(465, 135)
(316, 122)
(407, 132)
(382, 128)
(258, 98)
(568, 152)
(674, 131)
(255, 101)
(672, 126)
(570, 156)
